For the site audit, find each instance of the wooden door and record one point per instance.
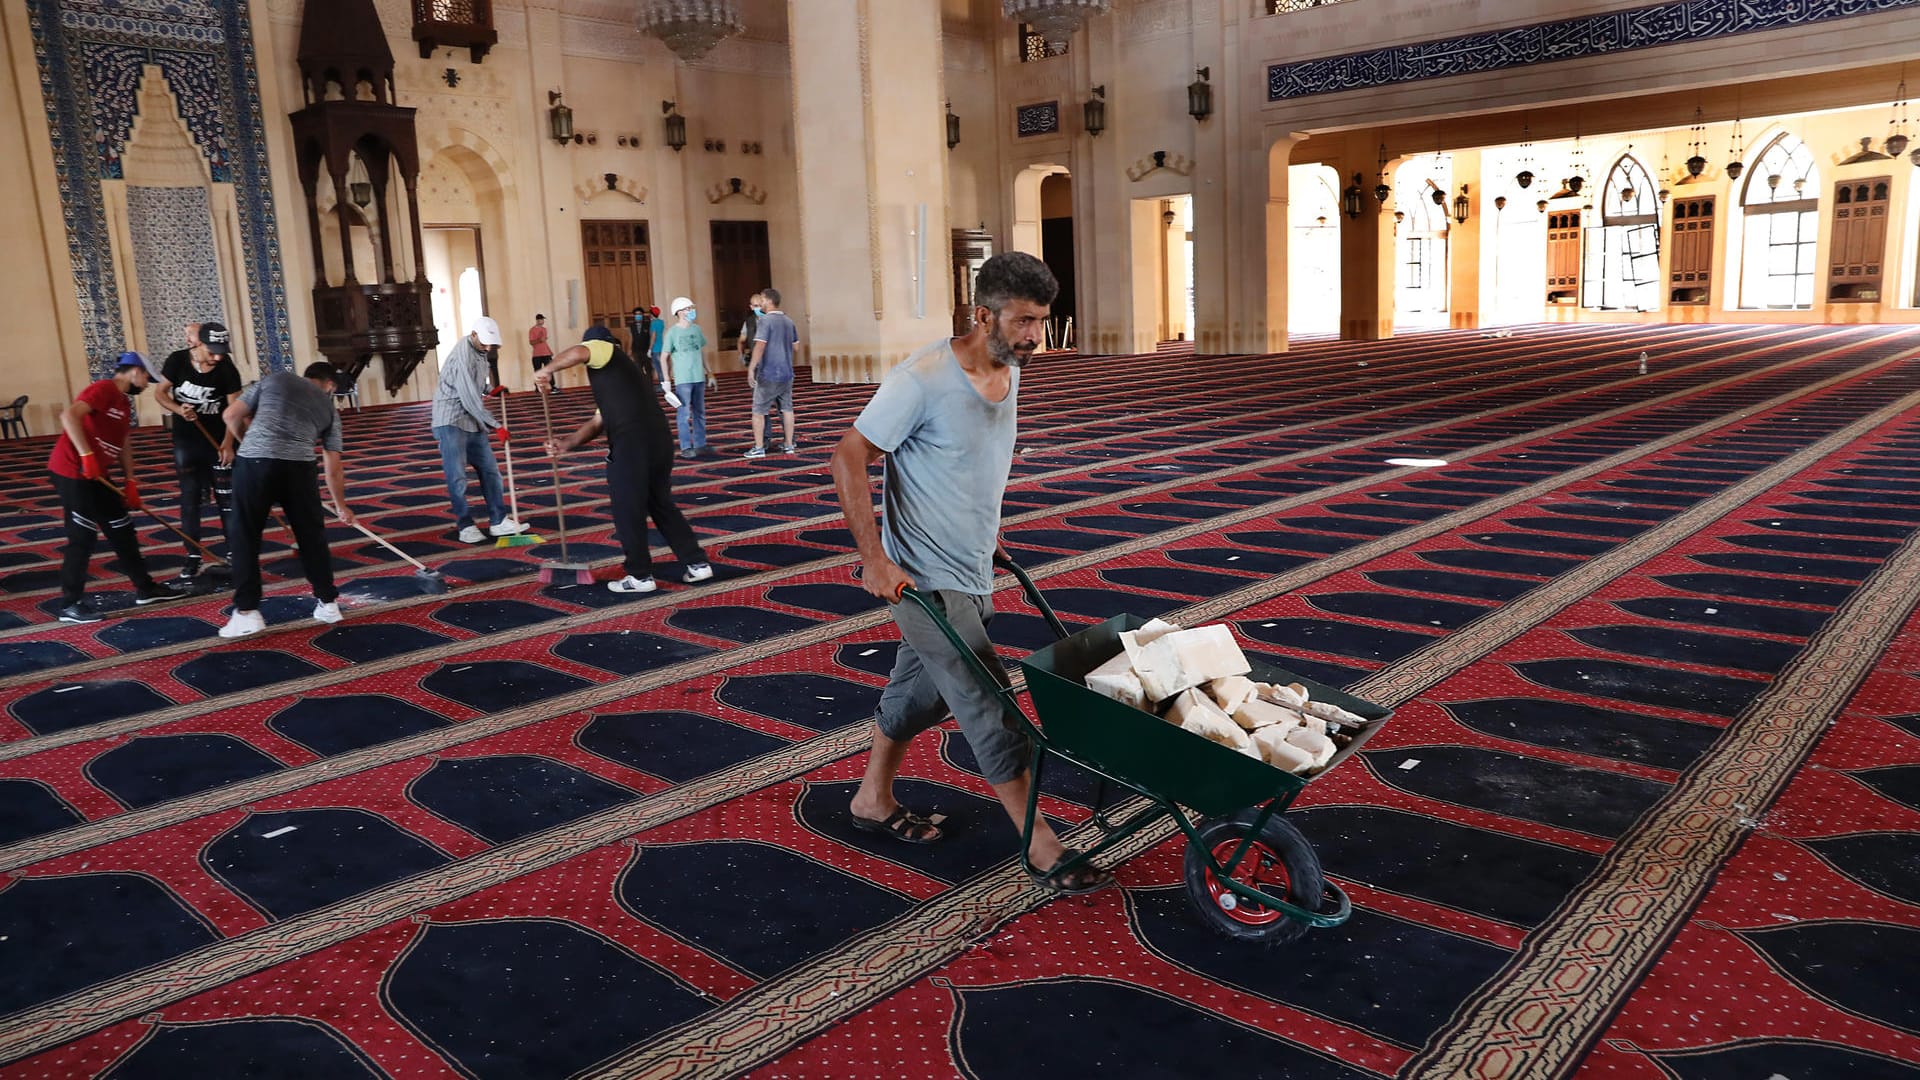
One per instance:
(1563, 257)
(619, 272)
(1859, 239)
(1690, 275)
(742, 266)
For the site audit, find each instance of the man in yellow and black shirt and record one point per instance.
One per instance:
(639, 457)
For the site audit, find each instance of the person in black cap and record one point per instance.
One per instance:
(195, 385)
(93, 430)
(639, 457)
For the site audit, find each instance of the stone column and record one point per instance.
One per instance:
(1366, 260)
(1463, 243)
(869, 123)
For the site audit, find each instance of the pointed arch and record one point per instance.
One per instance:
(1620, 252)
(1779, 228)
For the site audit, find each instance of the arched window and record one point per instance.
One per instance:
(1620, 265)
(1780, 211)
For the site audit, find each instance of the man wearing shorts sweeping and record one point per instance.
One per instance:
(944, 420)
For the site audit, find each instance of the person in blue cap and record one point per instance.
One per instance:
(93, 432)
(639, 457)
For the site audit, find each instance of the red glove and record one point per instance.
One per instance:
(497, 391)
(501, 434)
(131, 493)
(90, 465)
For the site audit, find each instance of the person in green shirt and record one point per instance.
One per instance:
(685, 357)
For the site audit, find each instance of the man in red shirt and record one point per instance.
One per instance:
(93, 430)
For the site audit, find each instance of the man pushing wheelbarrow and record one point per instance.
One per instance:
(944, 420)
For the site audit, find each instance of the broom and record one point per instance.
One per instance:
(525, 539)
(565, 568)
(205, 551)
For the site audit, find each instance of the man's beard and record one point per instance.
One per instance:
(1003, 353)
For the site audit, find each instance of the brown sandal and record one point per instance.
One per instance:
(1072, 879)
(903, 825)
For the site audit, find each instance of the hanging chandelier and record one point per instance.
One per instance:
(691, 28)
(1054, 20)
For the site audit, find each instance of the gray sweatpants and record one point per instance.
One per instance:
(929, 679)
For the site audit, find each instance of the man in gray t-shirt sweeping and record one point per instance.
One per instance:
(283, 417)
(944, 420)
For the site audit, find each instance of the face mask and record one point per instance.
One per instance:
(756, 309)
(692, 315)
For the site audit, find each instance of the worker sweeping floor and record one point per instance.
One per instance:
(1648, 807)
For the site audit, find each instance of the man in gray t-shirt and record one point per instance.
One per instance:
(283, 417)
(944, 420)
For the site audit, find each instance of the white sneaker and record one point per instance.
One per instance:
(697, 572)
(327, 611)
(472, 535)
(242, 624)
(631, 584)
(507, 527)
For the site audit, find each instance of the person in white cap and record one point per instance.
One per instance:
(460, 425)
(685, 358)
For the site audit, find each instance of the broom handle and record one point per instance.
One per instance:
(378, 539)
(513, 493)
(559, 509)
(167, 525)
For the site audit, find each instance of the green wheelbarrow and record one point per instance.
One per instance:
(1250, 874)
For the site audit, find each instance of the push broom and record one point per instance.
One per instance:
(565, 570)
(525, 539)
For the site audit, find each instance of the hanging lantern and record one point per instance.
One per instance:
(1351, 197)
(1094, 112)
(676, 127)
(1696, 165)
(1381, 193)
(953, 127)
(1541, 206)
(1461, 206)
(1200, 95)
(1525, 179)
(559, 119)
(1439, 198)
(1499, 202)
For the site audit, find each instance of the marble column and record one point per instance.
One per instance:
(870, 138)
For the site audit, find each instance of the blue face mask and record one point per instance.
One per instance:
(692, 315)
(756, 309)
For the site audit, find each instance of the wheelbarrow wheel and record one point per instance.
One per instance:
(1280, 862)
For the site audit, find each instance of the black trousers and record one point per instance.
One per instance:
(90, 509)
(198, 463)
(258, 485)
(641, 487)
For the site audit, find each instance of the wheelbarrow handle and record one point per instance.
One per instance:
(1032, 591)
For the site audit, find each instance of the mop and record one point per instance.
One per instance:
(525, 539)
(565, 568)
(432, 582)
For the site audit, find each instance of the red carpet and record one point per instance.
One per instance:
(1650, 806)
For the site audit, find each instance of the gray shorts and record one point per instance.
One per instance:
(769, 396)
(930, 679)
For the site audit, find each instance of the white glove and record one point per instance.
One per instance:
(673, 399)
